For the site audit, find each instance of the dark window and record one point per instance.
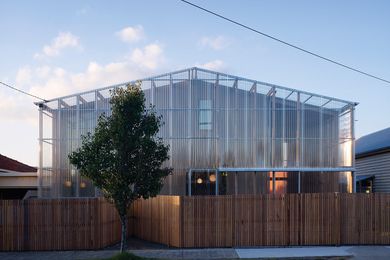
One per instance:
(205, 120)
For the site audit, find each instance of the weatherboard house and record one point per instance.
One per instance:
(373, 162)
(227, 135)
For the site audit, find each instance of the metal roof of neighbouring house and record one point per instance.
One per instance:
(13, 165)
(376, 142)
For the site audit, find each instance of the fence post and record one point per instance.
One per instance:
(25, 225)
(234, 220)
(338, 214)
(181, 221)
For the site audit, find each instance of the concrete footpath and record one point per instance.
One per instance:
(343, 252)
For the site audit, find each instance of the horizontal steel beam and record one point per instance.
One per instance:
(342, 169)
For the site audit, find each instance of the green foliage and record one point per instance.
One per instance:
(124, 156)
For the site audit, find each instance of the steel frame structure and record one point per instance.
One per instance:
(248, 126)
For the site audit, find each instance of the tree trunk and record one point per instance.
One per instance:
(124, 232)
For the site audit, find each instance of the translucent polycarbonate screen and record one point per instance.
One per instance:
(211, 121)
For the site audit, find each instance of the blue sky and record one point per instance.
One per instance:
(53, 48)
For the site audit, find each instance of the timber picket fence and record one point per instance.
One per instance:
(201, 221)
(286, 220)
(57, 224)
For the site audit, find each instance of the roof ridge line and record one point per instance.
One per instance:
(204, 70)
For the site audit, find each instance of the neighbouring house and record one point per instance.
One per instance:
(227, 135)
(17, 180)
(373, 162)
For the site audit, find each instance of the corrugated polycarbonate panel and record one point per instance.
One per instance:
(211, 121)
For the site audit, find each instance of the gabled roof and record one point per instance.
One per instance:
(13, 165)
(373, 143)
(209, 75)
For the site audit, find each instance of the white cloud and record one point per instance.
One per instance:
(19, 118)
(217, 65)
(150, 56)
(42, 72)
(51, 81)
(17, 108)
(216, 43)
(131, 34)
(62, 41)
(23, 75)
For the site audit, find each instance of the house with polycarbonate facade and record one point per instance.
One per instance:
(227, 135)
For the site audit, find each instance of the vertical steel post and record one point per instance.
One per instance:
(301, 154)
(189, 182)
(77, 174)
(352, 126)
(215, 122)
(254, 136)
(170, 129)
(254, 183)
(96, 117)
(298, 135)
(321, 155)
(227, 106)
(216, 181)
(58, 183)
(299, 182)
(235, 184)
(273, 105)
(152, 94)
(235, 120)
(284, 144)
(266, 157)
(245, 124)
(40, 169)
(189, 121)
(273, 182)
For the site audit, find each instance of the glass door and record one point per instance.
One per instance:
(203, 182)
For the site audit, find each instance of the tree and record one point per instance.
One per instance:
(124, 156)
